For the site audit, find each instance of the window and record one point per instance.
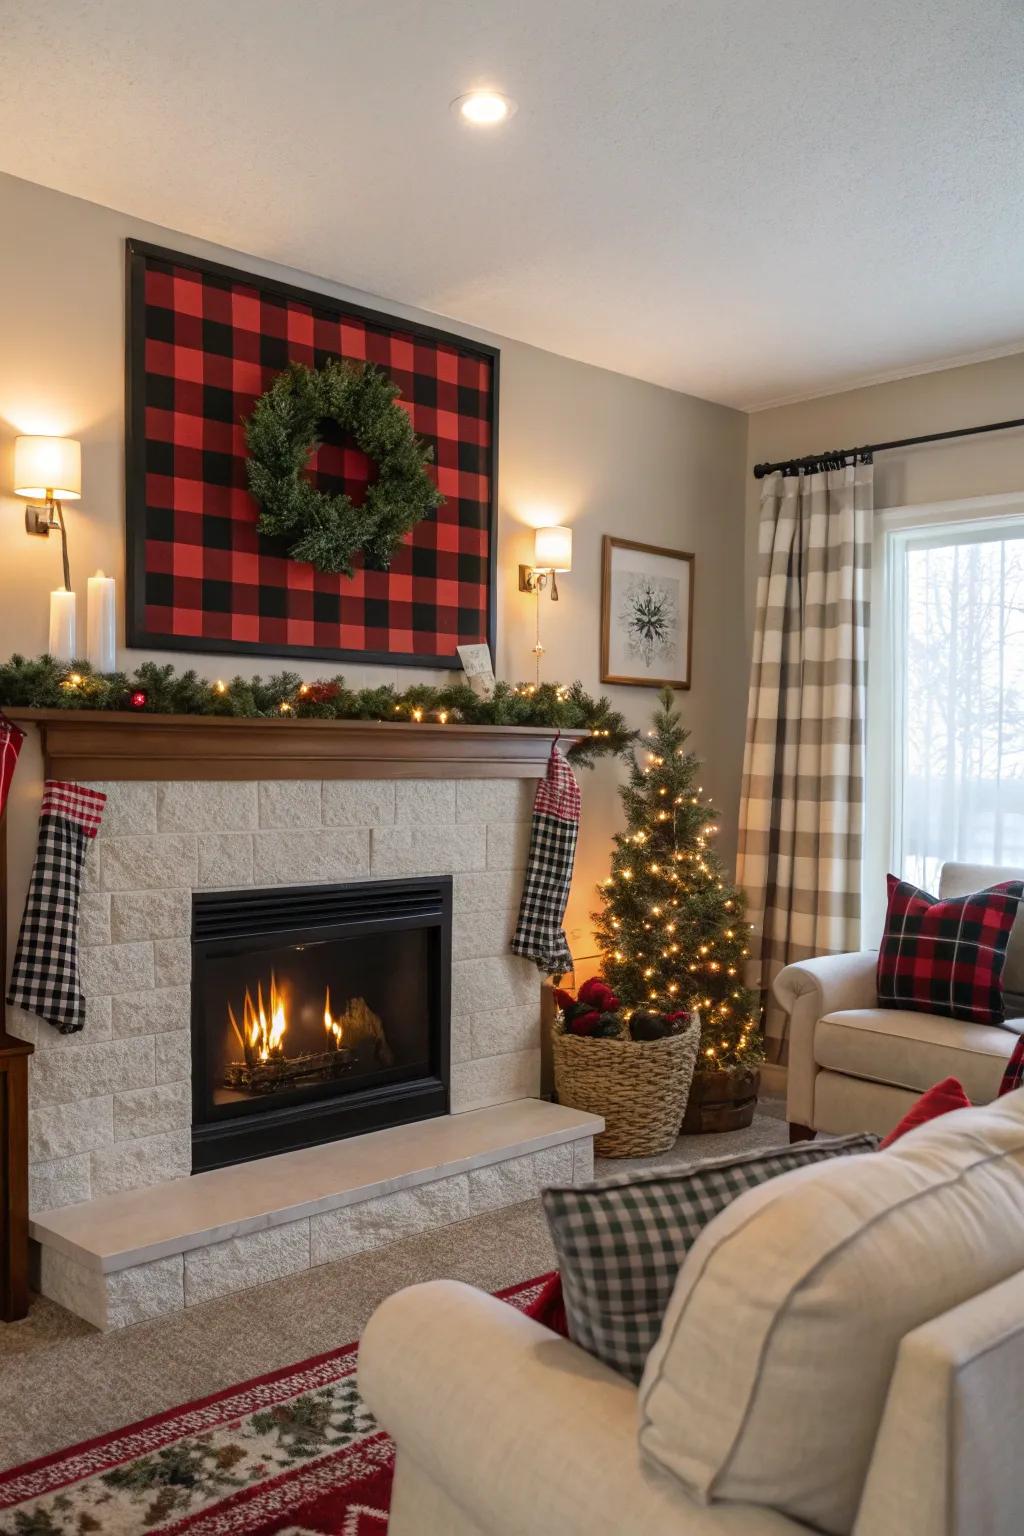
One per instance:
(946, 713)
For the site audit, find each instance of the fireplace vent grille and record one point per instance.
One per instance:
(279, 909)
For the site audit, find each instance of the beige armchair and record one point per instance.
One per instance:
(855, 1066)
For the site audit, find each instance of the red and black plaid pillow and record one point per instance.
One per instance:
(947, 956)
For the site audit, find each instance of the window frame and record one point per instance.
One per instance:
(896, 530)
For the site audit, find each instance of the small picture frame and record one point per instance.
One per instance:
(646, 614)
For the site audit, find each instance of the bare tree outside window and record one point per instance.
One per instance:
(963, 714)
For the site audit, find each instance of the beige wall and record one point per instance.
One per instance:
(579, 445)
(931, 402)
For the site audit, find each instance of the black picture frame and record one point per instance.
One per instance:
(137, 253)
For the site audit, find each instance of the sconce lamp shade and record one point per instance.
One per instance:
(48, 466)
(552, 549)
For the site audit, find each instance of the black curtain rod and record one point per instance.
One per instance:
(840, 456)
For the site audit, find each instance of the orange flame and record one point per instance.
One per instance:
(264, 1031)
(333, 1026)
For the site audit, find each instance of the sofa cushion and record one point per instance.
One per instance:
(947, 956)
(913, 1050)
(768, 1381)
(620, 1240)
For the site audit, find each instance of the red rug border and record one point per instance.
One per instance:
(154, 1420)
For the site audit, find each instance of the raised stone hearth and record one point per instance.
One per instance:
(142, 1254)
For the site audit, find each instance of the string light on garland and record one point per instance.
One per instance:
(44, 683)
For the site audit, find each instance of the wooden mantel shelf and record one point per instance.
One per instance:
(114, 744)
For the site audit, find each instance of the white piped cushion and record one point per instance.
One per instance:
(769, 1378)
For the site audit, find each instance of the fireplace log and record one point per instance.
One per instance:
(280, 1072)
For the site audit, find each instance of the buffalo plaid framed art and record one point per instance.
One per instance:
(204, 341)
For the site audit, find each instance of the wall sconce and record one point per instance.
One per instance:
(552, 554)
(51, 468)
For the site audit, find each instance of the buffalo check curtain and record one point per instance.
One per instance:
(802, 804)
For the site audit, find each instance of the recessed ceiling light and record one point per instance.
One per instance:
(484, 109)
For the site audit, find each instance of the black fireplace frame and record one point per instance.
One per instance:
(227, 922)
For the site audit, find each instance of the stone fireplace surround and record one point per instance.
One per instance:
(110, 1108)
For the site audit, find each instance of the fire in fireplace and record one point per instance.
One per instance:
(317, 1012)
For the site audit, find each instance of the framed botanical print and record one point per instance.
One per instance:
(646, 614)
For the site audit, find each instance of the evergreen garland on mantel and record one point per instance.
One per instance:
(47, 684)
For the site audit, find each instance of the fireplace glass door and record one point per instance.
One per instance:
(317, 1012)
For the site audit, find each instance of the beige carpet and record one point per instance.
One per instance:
(61, 1381)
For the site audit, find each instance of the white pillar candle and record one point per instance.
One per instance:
(100, 622)
(62, 625)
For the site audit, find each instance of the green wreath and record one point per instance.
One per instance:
(285, 429)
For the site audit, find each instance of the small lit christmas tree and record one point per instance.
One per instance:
(672, 930)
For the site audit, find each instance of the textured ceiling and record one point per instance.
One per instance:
(747, 199)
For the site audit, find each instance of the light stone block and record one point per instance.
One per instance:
(148, 863)
(484, 986)
(306, 857)
(387, 1218)
(94, 918)
(495, 1080)
(225, 860)
(288, 803)
(172, 963)
(135, 1164)
(506, 1029)
(152, 1111)
(152, 1013)
(495, 890)
(508, 844)
(150, 915)
(462, 1039)
(130, 809)
(91, 1071)
(112, 968)
(495, 799)
(358, 802)
(425, 802)
(242, 1262)
(60, 1130)
(172, 1056)
(91, 871)
(427, 850)
(200, 806)
(68, 1283)
(481, 935)
(29, 1026)
(583, 1160)
(62, 1182)
(518, 1178)
(144, 1291)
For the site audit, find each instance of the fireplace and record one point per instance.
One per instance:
(317, 1012)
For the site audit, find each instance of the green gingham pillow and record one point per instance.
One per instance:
(621, 1241)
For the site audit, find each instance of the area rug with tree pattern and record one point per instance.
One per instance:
(292, 1453)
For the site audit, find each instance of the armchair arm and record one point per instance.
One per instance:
(524, 1433)
(807, 991)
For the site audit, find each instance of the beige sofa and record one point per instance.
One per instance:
(854, 1066)
(504, 1429)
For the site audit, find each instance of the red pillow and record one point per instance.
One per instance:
(947, 956)
(947, 1095)
(1013, 1077)
(549, 1307)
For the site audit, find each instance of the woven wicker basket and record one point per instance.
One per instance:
(640, 1087)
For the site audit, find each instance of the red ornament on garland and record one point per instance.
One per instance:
(318, 693)
(137, 700)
